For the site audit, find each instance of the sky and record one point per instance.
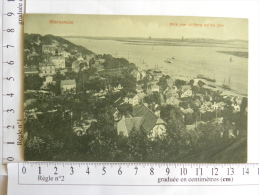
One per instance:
(138, 26)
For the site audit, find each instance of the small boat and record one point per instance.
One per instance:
(206, 78)
(224, 86)
(230, 59)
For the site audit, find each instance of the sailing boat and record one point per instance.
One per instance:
(226, 86)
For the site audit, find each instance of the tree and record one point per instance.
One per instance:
(191, 82)
(33, 82)
(153, 98)
(163, 82)
(179, 83)
(201, 83)
(128, 82)
(137, 144)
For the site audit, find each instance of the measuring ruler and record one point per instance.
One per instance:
(11, 83)
(139, 174)
(36, 176)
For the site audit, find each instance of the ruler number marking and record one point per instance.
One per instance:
(10, 158)
(183, 171)
(88, 170)
(39, 170)
(7, 46)
(9, 62)
(198, 171)
(231, 171)
(10, 110)
(119, 171)
(72, 170)
(56, 171)
(167, 171)
(10, 126)
(9, 78)
(23, 170)
(10, 14)
(245, 171)
(214, 171)
(10, 94)
(152, 171)
(136, 172)
(9, 30)
(104, 171)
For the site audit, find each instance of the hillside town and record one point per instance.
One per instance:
(83, 106)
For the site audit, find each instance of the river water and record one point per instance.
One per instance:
(186, 59)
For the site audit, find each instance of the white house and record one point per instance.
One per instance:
(154, 87)
(58, 61)
(65, 54)
(51, 49)
(68, 86)
(76, 66)
(186, 91)
(134, 99)
(136, 74)
(46, 69)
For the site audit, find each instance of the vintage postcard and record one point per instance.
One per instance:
(113, 88)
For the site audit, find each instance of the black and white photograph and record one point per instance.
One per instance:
(124, 88)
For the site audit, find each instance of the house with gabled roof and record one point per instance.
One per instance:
(139, 88)
(186, 91)
(157, 74)
(152, 125)
(68, 86)
(49, 49)
(153, 87)
(136, 74)
(126, 125)
(65, 54)
(135, 99)
(47, 69)
(58, 61)
(76, 66)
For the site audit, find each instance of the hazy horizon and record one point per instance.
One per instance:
(166, 27)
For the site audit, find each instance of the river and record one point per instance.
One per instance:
(186, 59)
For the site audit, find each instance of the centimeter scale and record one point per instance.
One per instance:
(135, 174)
(11, 135)
(130, 178)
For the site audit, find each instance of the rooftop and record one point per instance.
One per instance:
(150, 120)
(126, 125)
(57, 57)
(67, 82)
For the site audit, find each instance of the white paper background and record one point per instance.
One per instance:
(228, 8)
